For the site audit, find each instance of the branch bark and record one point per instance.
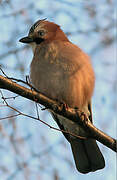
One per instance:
(71, 114)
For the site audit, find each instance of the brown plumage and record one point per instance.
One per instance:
(63, 72)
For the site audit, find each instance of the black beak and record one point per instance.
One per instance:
(27, 39)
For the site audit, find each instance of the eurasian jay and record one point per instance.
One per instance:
(63, 72)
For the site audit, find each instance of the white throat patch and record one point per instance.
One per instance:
(33, 45)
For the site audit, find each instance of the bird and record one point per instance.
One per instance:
(63, 72)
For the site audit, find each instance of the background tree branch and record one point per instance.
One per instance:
(71, 114)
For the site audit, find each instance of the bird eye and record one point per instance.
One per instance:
(41, 33)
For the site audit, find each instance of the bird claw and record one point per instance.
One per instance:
(64, 106)
(84, 118)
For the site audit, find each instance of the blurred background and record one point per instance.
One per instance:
(29, 150)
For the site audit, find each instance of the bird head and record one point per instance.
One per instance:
(44, 31)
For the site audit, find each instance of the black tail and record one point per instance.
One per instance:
(87, 155)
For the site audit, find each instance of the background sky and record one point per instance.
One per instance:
(29, 150)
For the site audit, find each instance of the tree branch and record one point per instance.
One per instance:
(71, 114)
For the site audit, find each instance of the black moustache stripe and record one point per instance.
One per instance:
(38, 40)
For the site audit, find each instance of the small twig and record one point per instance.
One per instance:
(12, 97)
(3, 72)
(9, 117)
(37, 110)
